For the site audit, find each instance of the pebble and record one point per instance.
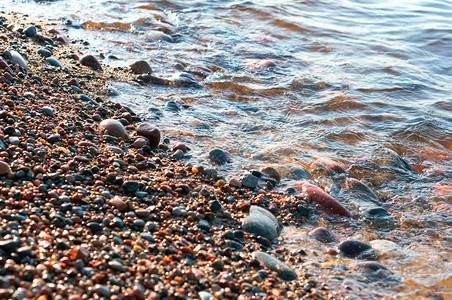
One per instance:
(361, 190)
(183, 79)
(272, 173)
(45, 52)
(141, 67)
(54, 62)
(204, 225)
(250, 181)
(18, 59)
(322, 235)
(172, 106)
(261, 222)
(48, 111)
(326, 202)
(353, 248)
(143, 213)
(204, 295)
(218, 156)
(118, 203)
(147, 236)
(30, 31)
(159, 36)
(374, 269)
(284, 271)
(299, 173)
(117, 266)
(179, 154)
(214, 205)
(90, 61)
(391, 160)
(14, 140)
(102, 290)
(130, 185)
(114, 128)
(150, 132)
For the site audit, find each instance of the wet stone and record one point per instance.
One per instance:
(322, 235)
(271, 173)
(172, 106)
(284, 271)
(113, 127)
(102, 290)
(141, 67)
(14, 140)
(218, 156)
(48, 111)
(204, 225)
(131, 186)
(250, 181)
(150, 132)
(54, 138)
(18, 59)
(353, 248)
(143, 213)
(45, 52)
(261, 222)
(147, 236)
(182, 79)
(90, 61)
(117, 266)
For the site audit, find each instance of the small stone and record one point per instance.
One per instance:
(218, 156)
(149, 132)
(48, 111)
(272, 173)
(141, 67)
(147, 236)
(114, 128)
(178, 154)
(322, 235)
(218, 265)
(212, 173)
(131, 186)
(177, 211)
(54, 138)
(80, 252)
(156, 35)
(353, 248)
(54, 62)
(140, 142)
(14, 140)
(117, 203)
(183, 79)
(234, 182)
(45, 52)
(117, 266)
(143, 213)
(18, 59)
(214, 205)
(30, 31)
(90, 61)
(274, 264)
(263, 223)
(102, 290)
(203, 295)
(94, 226)
(250, 181)
(204, 225)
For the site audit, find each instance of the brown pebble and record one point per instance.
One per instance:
(90, 61)
(149, 132)
(4, 168)
(118, 203)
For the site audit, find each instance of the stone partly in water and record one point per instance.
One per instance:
(155, 35)
(45, 52)
(322, 235)
(113, 127)
(185, 80)
(150, 132)
(141, 67)
(218, 156)
(30, 31)
(353, 248)
(271, 173)
(90, 61)
(250, 181)
(374, 270)
(18, 59)
(284, 271)
(389, 159)
(320, 198)
(263, 223)
(4, 168)
(361, 190)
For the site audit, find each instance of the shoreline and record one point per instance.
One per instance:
(92, 215)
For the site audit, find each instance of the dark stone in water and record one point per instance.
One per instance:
(90, 61)
(322, 235)
(299, 173)
(218, 156)
(261, 222)
(274, 264)
(353, 248)
(185, 80)
(362, 191)
(390, 159)
(377, 212)
(141, 67)
(45, 52)
(172, 106)
(250, 181)
(374, 270)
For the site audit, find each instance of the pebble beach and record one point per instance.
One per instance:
(98, 202)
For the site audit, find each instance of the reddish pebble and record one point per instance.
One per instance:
(113, 127)
(117, 203)
(79, 252)
(179, 146)
(320, 198)
(90, 61)
(243, 206)
(149, 132)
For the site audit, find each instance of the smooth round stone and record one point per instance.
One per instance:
(116, 265)
(210, 172)
(204, 295)
(54, 138)
(204, 225)
(118, 203)
(150, 132)
(178, 154)
(94, 226)
(177, 211)
(147, 236)
(30, 31)
(45, 52)
(322, 235)
(131, 185)
(159, 36)
(18, 59)
(218, 156)
(114, 128)
(140, 142)
(90, 61)
(14, 140)
(261, 222)
(86, 98)
(141, 67)
(229, 235)
(143, 213)
(250, 181)
(374, 269)
(54, 62)
(353, 248)
(48, 111)
(393, 161)
(214, 205)
(102, 290)
(182, 79)
(272, 173)
(299, 173)
(274, 264)
(172, 106)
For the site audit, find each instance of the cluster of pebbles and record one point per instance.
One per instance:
(96, 202)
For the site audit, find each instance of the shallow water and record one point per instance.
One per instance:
(348, 78)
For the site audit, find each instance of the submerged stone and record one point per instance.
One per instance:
(284, 271)
(353, 248)
(322, 235)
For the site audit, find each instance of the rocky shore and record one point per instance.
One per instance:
(97, 203)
